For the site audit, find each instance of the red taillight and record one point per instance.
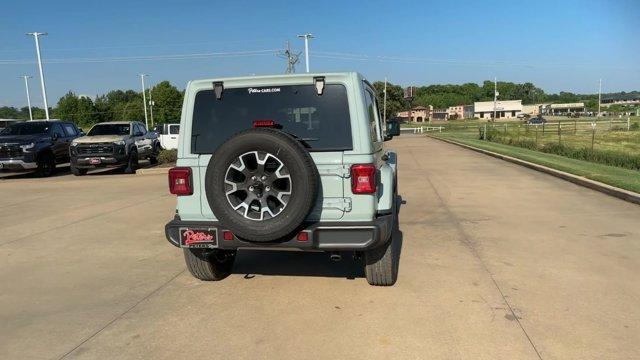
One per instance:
(303, 236)
(363, 179)
(180, 181)
(227, 235)
(264, 123)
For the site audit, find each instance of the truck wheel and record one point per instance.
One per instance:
(153, 159)
(381, 264)
(46, 165)
(132, 163)
(78, 171)
(209, 265)
(261, 184)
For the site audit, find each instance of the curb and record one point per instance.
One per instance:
(625, 195)
(153, 171)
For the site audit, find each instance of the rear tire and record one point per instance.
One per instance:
(78, 171)
(46, 165)
(381, 263)
(209, 265)
(153, 159)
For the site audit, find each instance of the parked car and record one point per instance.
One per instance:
(36, 145)
(114, 144)
(537, 120)
(168, 135)
(393, 129)
(284, 162)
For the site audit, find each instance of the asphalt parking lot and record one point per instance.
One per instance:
(497, 261)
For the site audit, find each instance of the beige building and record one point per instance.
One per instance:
(456, 112)
(504, 109)
(418, 114)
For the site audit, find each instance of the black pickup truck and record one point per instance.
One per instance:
(36, 145)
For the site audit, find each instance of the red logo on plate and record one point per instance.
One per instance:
(192, 237)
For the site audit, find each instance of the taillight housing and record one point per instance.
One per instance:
(264, 123)
(363, 179)
(180, 181)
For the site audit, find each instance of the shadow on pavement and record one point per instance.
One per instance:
(298, 263)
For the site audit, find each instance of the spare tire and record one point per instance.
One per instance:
(261, 184)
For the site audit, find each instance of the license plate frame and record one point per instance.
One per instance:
(198, 237)
(95, 161)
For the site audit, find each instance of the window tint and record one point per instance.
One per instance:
(322, 122)
(109, 129)
(142, 128)
(372, 116)
(174, 129)
(26, 128)
(57, 130)
(69, 129)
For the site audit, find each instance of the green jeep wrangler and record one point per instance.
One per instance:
(284, 161)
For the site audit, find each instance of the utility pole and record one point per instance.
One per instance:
(292, 59)
(36, 36)
(26, 85)
(599, 96)
(384, 103)
(495, 96)
(306, 38)
(144, 101)
(151, 104)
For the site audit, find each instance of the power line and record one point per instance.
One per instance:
(144, 58)
(292, 59)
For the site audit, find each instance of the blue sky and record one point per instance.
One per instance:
(558, 45)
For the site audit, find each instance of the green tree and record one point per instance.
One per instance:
(395, 98)
(168, 102)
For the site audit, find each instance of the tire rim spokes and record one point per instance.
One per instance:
(258, 185)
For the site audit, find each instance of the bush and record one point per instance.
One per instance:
(168, 156)
(606, 157)
(634, 126)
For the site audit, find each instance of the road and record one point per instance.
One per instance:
(497, 262)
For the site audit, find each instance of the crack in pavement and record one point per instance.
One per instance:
(468, 243)
(97, 332)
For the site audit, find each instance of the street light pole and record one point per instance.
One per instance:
(26, 85)
(306, 38)
(151, 106)
(36, 36)
(495, 96)
(144, 101)
(599, 96)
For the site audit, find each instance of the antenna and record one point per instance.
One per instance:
(292, 59)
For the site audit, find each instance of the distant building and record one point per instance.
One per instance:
(418, 114)
(533, 109)
(456, 112)
(440, 114)
(564, 109)
(504, 109)
(622, 100)
(468, 112)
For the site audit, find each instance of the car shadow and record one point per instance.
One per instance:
(61, 170)
(299, 263)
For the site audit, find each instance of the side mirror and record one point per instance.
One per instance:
(388, 137)
(54, 137)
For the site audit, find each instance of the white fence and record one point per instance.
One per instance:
(422, 129)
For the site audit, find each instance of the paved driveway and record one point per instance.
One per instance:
(498, 261)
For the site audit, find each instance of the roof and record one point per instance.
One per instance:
(567, 106)
(116, 122)
(266, 80)
(501, 105)
(419, 108)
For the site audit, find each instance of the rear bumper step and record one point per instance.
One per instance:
(325, 236)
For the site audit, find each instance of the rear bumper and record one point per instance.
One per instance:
(324, 236)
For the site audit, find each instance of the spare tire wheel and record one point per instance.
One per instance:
(261, 184)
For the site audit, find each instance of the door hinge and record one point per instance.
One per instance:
(341, 172)
(343, 204)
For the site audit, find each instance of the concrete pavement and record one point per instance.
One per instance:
(498, 261)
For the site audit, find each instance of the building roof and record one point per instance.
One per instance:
(567, 106)
(502, 105)
(419, 108)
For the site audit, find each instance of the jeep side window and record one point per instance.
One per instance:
(373, 117)
(174, 129)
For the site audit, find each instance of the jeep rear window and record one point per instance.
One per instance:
(322, 122)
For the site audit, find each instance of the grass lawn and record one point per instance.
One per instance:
(611, 175)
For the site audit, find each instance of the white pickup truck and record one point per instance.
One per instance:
(168, 135)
